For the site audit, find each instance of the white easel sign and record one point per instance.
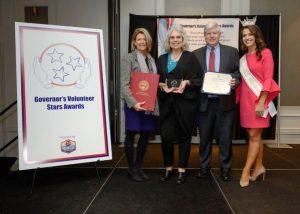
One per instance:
(63, 115)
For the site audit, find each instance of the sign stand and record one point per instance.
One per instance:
(33, 180)
(96, 167)
(36, 169)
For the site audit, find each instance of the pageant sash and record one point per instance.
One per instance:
(255, 85)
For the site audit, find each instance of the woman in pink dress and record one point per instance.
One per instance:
(255, 94)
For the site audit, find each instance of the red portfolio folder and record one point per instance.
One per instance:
(144, 88)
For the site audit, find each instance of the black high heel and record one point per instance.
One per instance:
(167, 175)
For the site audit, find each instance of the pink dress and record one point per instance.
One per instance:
(263, 71)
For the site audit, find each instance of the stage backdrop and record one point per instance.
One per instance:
(194, 29)
(270, 25)
(62, 97)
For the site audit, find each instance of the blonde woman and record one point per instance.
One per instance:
(137, 119)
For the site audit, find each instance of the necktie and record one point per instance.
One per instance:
(211, 66)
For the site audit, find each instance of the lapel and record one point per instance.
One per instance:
(165, 64)
(222, 57)
(203, 59)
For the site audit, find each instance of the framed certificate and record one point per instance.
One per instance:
(216, 83)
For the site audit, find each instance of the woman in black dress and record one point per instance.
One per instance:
(180, 81)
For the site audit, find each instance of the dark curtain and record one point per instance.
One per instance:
(148, 22)
(269, 25)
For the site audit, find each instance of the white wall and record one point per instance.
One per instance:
(7, 70)
(192, 7)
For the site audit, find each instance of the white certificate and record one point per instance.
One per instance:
(216, 83)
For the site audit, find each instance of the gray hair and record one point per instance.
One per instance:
(211, 25)
(179, 29)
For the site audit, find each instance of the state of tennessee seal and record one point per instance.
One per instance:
(68, 146)
(143, 85)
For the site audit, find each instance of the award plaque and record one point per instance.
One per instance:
(144, 88)
(173, 83)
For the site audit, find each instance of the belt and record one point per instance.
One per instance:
(213, 98)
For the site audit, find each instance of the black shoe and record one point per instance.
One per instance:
(134, 175)
(225, 175)
(203, 174)
(143, 175)
(167, 175)
(180, 178)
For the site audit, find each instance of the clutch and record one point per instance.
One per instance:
(173, 83)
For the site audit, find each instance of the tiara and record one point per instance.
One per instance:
(248, 22)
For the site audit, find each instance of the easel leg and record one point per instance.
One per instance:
(96, 167)
(33, 181)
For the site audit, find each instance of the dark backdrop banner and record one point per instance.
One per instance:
(269, 25)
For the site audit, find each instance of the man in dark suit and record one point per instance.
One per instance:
(217, 111)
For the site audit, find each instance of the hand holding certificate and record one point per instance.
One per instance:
(216, 83)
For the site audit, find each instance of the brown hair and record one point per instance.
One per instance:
(147, 35)
(259, 39)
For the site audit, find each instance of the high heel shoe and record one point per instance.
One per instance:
(244, 183)
(257, 173)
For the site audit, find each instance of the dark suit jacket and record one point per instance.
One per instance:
(229, 63)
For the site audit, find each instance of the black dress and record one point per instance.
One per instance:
(178, 112)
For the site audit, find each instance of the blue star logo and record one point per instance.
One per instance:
(74, 63)
(60, 74)
(55, 56)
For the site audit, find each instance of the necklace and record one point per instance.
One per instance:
(176, 58)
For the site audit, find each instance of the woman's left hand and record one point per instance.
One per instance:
(182, 86)
(259, 109)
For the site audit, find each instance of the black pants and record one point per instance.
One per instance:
(171, 132)
(213, 118)
(140, 151)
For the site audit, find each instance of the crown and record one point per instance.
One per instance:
(248, 22)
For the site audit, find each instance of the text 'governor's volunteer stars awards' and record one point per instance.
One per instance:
(64, 102)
